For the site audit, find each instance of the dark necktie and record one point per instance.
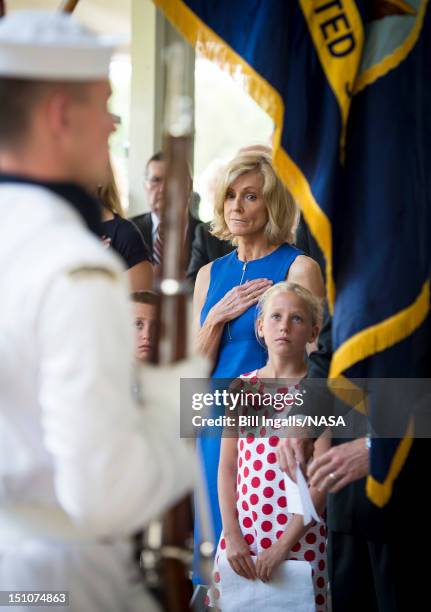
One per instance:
(158, 245)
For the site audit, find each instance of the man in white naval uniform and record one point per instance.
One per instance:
(81, 466)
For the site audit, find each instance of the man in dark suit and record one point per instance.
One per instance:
(307, 243)
(149, 222)
(205, 248)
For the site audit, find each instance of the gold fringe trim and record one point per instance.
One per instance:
(315, 217)
(368, 342)
(349, 393)
(381, 336)
(403, 6)
(380, 492)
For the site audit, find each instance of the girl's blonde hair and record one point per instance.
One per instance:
(281, 207)
(312, 303)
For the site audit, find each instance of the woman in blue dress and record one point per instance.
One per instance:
(257, 214)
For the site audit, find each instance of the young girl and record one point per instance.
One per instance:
(259, 533)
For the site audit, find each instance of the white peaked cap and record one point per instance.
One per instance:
(48, 45)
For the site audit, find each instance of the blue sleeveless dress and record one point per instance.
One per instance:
(239, 350)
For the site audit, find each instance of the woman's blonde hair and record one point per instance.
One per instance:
(109, 195)
(281, 207)
(312, 303)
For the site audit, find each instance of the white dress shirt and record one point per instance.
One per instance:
(155, 226)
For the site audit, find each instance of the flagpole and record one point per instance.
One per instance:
(68, 6)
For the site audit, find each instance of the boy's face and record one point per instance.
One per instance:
(144, 323)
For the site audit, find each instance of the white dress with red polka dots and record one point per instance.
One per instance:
(262, 510)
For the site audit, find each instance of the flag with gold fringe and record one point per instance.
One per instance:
(380, 327)
(348, 86)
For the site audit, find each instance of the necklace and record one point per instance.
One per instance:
(244, 268)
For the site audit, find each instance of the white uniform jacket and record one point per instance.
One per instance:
(71, 437)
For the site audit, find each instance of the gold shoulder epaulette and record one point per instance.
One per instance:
(92, 271)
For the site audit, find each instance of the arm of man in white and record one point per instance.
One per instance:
(115, 466)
